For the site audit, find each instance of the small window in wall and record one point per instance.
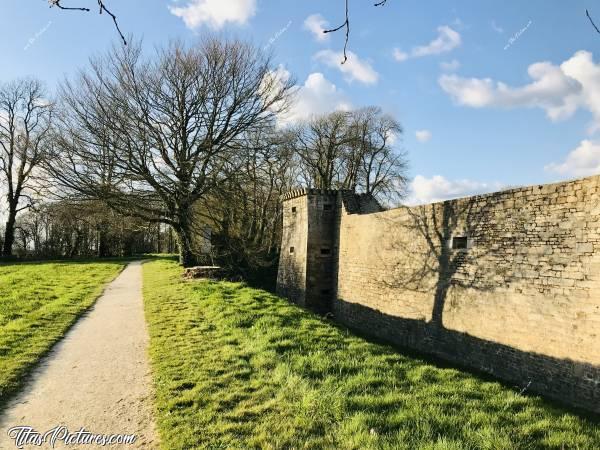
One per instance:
(293, 209)
(327, 207)
(325, 251)
(291, 249)
(460, 243)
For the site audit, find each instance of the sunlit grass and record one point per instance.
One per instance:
(38, 304)
(236, 367)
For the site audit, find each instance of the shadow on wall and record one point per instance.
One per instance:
(290, 280)
(569, 382)
(424, 257)
(453, 249)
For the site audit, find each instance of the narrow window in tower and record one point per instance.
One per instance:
(291, 249)
(293, 209)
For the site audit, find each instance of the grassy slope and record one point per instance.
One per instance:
(38, 303)
(235, 367)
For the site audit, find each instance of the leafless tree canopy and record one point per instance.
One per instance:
(245, 211)
(352, 150)
(152, 136)
(25, 119)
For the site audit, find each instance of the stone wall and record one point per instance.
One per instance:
(519, 297)
(306, 269)
(522, 301)
(291, 275)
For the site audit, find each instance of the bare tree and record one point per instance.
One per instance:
(151, 137)
(319, 144)
(245, 212)
(352, 150)
(373, 165)
(25, 117)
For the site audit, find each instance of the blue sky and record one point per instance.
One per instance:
(489, 93)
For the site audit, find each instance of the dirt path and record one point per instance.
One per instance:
(97, 377)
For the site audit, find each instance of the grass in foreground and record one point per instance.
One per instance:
(236, 367)
(38, 304)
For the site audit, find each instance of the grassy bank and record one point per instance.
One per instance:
(236, 367)
(38, 304)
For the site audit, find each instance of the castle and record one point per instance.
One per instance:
(505, 283)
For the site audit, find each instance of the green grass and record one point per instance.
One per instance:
(236, 367)
(38, 304)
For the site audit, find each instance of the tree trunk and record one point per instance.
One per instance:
(9, 233)
(102, 245)
(184, 244)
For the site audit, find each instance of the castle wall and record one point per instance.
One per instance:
(307, 273)
(291, 275)
(521, 301)
(321, 249)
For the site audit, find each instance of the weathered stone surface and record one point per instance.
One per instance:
(523, 302)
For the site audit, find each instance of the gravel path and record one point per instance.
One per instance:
(97, 377)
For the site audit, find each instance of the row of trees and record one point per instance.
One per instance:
(69, 229)
(186, 138)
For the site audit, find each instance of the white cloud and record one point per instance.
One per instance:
(354, 69)
(423, 135)
(450, 66)
(437, 188)
(400, 56)
(498, 29)
(581, 162)
(446, 41)
(316, 96)
(316, 24)
(214, 13)
(559, 90)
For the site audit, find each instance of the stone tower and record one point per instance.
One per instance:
(307, 262)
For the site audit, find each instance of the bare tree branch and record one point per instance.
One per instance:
(591, 21)
(102, 9)
(347, 25)
(152, 136)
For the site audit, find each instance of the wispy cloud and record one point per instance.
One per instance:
(580, 162)
(446, 41)
(316, 24)
(560, 90)
(498, 29)
(316, 96)
(214, 13)
(450, 66)
(423, 135)
(423, 190)
(354, 69)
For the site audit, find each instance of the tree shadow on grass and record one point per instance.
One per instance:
(417, 343)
